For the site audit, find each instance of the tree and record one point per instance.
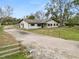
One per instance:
(10, 21)
(76, 2)
(5, 15)
(73, 21)
(39, 15)
(8, 11)
(30, 17)
(52, 10)
(1, 15)
(1, 12)
(58, 10)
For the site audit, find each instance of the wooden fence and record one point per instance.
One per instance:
(11, 49)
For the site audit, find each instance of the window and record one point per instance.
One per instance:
(49, 24)
(54, 24)
(57, 24)
(32, 24)
(39, 24)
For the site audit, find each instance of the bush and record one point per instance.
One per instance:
(9, 21)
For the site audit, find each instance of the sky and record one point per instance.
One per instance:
(22, 8)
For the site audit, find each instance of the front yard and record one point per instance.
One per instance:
(7, 39)
(65, 32)
(15, 56)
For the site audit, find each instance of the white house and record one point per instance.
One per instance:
(34, 24)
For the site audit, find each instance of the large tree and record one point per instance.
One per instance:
(59, 10)
(8, 11)
(39, 15)
(1, 12)
(5, 14)
(30, 17)
(1, 15)
(73, 21)
(76, 2)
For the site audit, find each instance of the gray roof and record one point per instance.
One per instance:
(35, 21)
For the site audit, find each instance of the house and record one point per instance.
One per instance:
(35, 24)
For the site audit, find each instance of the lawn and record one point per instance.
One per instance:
(64, 32)
(15, 56)
(6, 38)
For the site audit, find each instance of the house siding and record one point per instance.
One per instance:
(26, 25)
(34, 27)
(52, 24)
(49, 24)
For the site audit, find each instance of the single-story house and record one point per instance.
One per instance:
(34, 24)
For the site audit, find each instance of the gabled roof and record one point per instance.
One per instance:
(35, 21)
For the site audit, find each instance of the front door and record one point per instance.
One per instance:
(43, 25)
(22, 25)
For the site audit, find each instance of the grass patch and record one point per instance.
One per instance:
(6, 38)
(15, 56)
(6, 48)
(64, 32)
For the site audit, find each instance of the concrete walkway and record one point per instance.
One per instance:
(46, 47)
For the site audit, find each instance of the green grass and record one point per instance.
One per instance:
(15, 56)
(64, 32)
(6, 48)
(6, 38)
(1, 30)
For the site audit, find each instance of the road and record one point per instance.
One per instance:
(46, 47)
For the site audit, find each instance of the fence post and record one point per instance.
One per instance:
(22, 49)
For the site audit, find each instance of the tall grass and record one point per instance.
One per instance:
(1, 30)
(63, 32)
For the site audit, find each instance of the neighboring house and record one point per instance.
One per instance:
(34, 24)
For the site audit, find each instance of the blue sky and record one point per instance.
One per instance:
(24, 7)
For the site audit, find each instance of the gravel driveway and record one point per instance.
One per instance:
(46, 47)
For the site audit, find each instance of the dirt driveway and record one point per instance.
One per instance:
(46, 47)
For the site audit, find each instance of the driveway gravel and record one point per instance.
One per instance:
(46, 47)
